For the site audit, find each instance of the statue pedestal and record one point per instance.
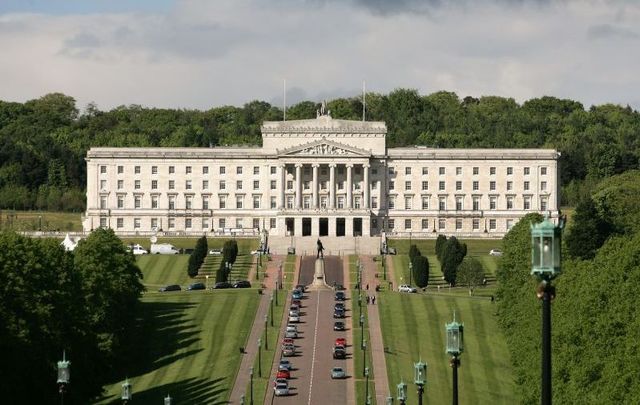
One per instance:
(318, 277)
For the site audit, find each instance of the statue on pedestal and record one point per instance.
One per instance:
(320, 250)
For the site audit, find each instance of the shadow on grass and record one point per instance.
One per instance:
(189, 391)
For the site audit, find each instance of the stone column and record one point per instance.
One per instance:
(283, 185)
(315, 186)
(365, 203)
(298, 185)
(349, 187)
(332, 187)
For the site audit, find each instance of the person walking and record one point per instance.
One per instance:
(373, 300)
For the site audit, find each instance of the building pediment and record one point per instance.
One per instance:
(324, 147)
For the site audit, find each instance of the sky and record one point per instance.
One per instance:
(207, 53)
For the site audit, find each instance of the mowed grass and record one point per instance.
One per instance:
(413, 328)
(46, 221)
(185, 342)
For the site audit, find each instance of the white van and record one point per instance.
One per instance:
(138, 250)
(164, 249)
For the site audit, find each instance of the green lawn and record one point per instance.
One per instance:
(40, 220)
(413, 328)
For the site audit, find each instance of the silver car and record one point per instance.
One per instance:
(338, 373)
(281, 389)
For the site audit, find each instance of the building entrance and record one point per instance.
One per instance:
(357, 226)
(340, 227)
(290, 228)
(324, 227)
(306, 226)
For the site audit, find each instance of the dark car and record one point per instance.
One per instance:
(222, 284)
(339, 306)
(339, 352)
(242, 284)
(338, 325)
(301, 287)
(196, 286)
(340, 296)
(338, 287)
(172, 287)
(338, 313)
(296, 295)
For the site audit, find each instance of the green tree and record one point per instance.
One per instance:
(453, 252)
(420, 267)
(197, 257)
(441, 240)
(470, 274)
(588, 230)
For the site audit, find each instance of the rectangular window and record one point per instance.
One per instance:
(425, 171)
(458, 185)
(424, 224)
(120, 169)
(392, 185)
(205, 202)
(323, 202)
(120, 184)
(543, 203)
(136, 223)
(459, 204)
(527, 170)
(205, 170)
(172, 223)
(239, 201)
(543, 185)
(205, 223)
(407, 223)
(239, 170)
(408, 203)
(441, 185)
(476, 171)
(154, 184)
(493, 202)
(374, 203)
(476, 185)
(289, 202)
(306, 185)
(222, 223)
(509, 224)
(458, 171)
(272, 169)
(273, 203)
(425, 185)
(256, 223)
(289, 184)
(120, 201)
(172, 184)
(475, 224)
(103, 202)
(172, 169)
(526, 203)
(509, 203)
(442, 203)
(188, 223)
(356, 202)
(154, 201)
(188, 202)
(306, 202)
(103, 169)
(458, 224)
(340, 202)
(172, 202)
(391, 223)
(256, 170)
(407, 170)
(392, 203)
(441, 170)
(442, 224)
(341, 185)
(256, 184)
(103, 184)
(205, 184)
(526, 186)
(492, 224)
(425, 203)
(223, 169)
(543, 171)
(137, 200)
(476, 203)
(509, 171)
(256, 201)
(392, 171)
(187, 184)
(154, 169)
(272, 223)
(238, 184)
(222, 185)
(509, 185)
(136, 184)
(120, 223)
(374, 185)
(136, 169)
(492, 170)
(407, 185)
(272, 185)
(187, 169)
(492, 185)
(222, 201)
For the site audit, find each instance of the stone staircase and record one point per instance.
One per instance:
(338, 246)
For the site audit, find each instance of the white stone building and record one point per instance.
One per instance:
(318, 177)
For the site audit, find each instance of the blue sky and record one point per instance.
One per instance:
(206, 53)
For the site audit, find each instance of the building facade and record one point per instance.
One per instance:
(318, 177)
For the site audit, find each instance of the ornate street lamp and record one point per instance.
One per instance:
(455, 347)
(64, 375)
(251, 385)
(364, 358)
(126, 391)
(242, 399)
(366, 394)
(410, 272)
(259, 357)
(167, 400)
(389, 400)
(266, 335)
(271, 304)
(420, 378)
(362, 331)
(545, 265)
(402, 393)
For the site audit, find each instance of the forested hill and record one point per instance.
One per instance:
(43, 142)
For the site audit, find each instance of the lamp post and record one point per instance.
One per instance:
(410, 272)
(126, 391)
(271, 304)
(64, 376)
(361, 331)
(420, 378)
(402, 393)
(259, 357)
(242, 399)
(251, 385)
(364, 358)
(366, 386)
(167, 400)
(545, 265)
(360, 303)
(279, 283)
(389, 400)
(455, 347)
(266, 333)
(206, 283)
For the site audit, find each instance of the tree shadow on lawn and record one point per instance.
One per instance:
(189, 391)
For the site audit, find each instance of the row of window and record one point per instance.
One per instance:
(205, 223)
(492, 224)
(475, 203)
(475, 185)
(475, 170)
(187, 169)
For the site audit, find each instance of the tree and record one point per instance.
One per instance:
(197, 257)
(588, 230)
(441, 240)
(230, 251)
(420, 266)
(470, 274)
(453, 252)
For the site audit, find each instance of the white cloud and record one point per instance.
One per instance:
(200, 54)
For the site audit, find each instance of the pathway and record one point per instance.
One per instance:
(349, 320)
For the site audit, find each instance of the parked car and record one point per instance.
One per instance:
(407, 288)
(301, 287)
(164, 249)
(294, 318)
(296, 295)
(338, 373)
(280, 381)
(339, 306)
(338, 287)
(291, 333)
(339, 352)
(138, 249)
(297, 302)
(338, 313)
(215, 252)
(283, 374)
(196, 286)
(341, 342)
(171, 287)
(281, 389)
(289, 351)
(495, 252)
(287, 341)
(222, 284)
(338, 325)
(285, 365)
(242, 284)
(340, 296)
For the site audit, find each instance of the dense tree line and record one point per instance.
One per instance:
(595, 332)
(52, 300)
(43, 142)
